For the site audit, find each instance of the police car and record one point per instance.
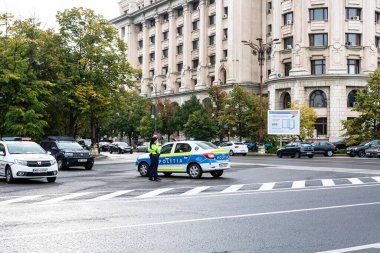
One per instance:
(26, 160)
(191, 157)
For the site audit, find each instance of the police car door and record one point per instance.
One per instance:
(2, 159)
(181, 156)
(164, 164)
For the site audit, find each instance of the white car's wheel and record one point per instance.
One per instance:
(195, 171)
(9, 176)
(217, 173)
(231, 153)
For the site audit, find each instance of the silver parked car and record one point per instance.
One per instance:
(373, 151)
(143, 147)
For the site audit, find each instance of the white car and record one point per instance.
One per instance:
(26, 160)
(191, 157)
(235, 148)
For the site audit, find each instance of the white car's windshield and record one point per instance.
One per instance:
(69, 145)
(25, 148)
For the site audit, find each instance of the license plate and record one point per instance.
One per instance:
(82, 160)
(223, 165)
(309, 153)
(44, 170)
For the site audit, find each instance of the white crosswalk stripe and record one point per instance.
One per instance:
(376, 178)
(21, 199)
(267, 186)
(154, 193)
(111, 195)
(62, 198)
(233, 188)
(355, 180)
(327, 182)
(195, 190)
(298, 184)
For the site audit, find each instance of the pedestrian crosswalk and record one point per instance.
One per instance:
(141, 194)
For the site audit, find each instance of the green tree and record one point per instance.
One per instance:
(167, 111)
(367, 125)
(307, 120)
(146, 126)
(184, 111)
(95, 68)
(215, 105)
(200, 126)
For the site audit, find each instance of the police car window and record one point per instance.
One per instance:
(206, 145)
(166, 149)
(182, 148)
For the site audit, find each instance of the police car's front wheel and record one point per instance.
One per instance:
(217, 173)
(195, 171)
(143, 169)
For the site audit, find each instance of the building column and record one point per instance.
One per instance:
(369, 63)
(187, 48)
(337, 110)
(219, 10)
(158, 56)
(145, 68)
(131, 40)
(276, 34)
(203, 46)
(172, 61)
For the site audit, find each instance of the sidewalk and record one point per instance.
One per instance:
(107, 158)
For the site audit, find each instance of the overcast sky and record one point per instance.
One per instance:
(45, 10)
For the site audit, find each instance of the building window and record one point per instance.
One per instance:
(179, 49)
(269, 7)
(211, 40)
(353, 39)
(212, 59)
(152, 39)
(318, 99)
(211, 20)
(269, 30)
(353, 13)
(377, 17)
(179, 31)
(140, 60)
(318, 67)
(318, 40)
(195, 44)
(165, 70)
(287, 101)
(140, 44)
(152, 56)
(152, 23)
(225, 11)
(165, 17)
(179, 67)
(195, 25)
(195, 63)
(318, 14)
(165, 53)
(288, 18)
(180, 12)
(165, 35)
(353, 66)
(122, 32)
(225, 33)
(211, 2)
(151, 73)
(351, 99)
(225, 54)
(377, 42)
(287, 67)
(321, 126)
(288, 43)
(140, 27)
(195, 5)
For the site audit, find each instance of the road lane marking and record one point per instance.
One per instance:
(154, 193)
(66, 197)
(233, 188)
(267, 186)
(111, 195)
(21, 199)
(298, 184)
(328, 182)
(376, 178)
(216, 218)
(195, 190)
(357, 248)
(355, 180)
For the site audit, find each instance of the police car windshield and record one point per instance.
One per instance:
(206, 145)
(69, 145)
(25, 148)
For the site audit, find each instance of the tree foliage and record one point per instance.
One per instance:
(200, 126)
(184, 111)
(167, 111)
(215, 105)
(367, 125)
(307, 120)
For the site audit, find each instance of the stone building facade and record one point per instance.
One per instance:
(327, 49)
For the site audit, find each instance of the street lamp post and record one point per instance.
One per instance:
(260, 49)
(155, 108)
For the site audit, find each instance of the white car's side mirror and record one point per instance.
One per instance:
(49, 153)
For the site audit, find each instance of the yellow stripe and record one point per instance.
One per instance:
(169, 169)
(176, 154)
(219, 151)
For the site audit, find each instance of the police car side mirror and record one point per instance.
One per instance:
(2, 153)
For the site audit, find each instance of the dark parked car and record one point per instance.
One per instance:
(324, 147)
(104, 146)
(296, 149)
(361, 149)
(68, 152)
(120, 147)
(340, 144)
(374, 151)
(86, 143)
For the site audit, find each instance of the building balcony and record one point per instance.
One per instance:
(317, 2)
(152, 31)
(195, 35)
(140, 36)
(212, 50)
(319, 26)
(179, 39)
(179, 21)
(165, 26)
(378, 28)
(287, 30)
(286, 5)
(211, 9)
(195, 54)
(354, 3)
(179, 58)
(165, 44)
(354, 26)
(195, 15)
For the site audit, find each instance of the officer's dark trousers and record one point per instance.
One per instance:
(153, 167)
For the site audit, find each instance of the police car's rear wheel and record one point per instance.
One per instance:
(217, 173)
(195, 171)
(143, 169)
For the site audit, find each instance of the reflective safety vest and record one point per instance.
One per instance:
(155, 149)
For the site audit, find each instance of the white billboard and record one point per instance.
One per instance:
(284, 122)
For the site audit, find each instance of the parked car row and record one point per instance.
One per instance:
(369, 149)
(299, 149)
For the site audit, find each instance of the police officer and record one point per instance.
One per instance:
(154, 150)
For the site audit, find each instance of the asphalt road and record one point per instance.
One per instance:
(263, 204)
